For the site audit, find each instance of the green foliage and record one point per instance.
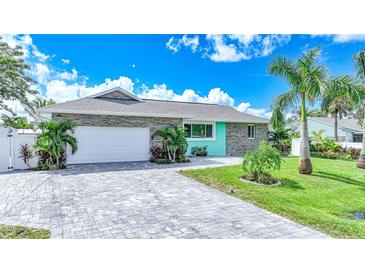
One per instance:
(281, 138)
(258, 164)
(33, 108)
(15, 83)
(15, 122)
(199, 151)
(174, 143)
(22, 232)
(51, 143)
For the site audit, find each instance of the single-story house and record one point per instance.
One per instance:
(116, 126)
(349, 129)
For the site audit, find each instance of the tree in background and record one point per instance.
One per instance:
(15, 82)
(35, 105)
(15, 122)
(305, 78)
(338, 98)
(359, 60)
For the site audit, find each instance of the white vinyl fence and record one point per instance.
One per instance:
(10, 144)
(295, 146)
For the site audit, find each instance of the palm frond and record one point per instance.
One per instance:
(286, 69)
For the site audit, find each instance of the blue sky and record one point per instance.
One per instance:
(224, 69)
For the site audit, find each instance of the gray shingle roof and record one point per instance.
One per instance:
(154, 108)
(349, 124)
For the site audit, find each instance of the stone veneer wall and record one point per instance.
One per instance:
(237, 141)
(118, 121)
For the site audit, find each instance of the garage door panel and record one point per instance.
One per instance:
(110, 144)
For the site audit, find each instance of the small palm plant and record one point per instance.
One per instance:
(54, 139)
(173, 140)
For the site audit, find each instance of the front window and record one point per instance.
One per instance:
(198, 131)
(251, 132)
(357, 138)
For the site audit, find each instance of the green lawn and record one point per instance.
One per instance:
(323, 200)
(22, 232)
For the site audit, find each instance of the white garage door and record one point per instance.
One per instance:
(110, 144)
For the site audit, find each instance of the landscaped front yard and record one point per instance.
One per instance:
(325, 200)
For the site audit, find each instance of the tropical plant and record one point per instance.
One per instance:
(280, 138)
(173, 141)
(322, 144)
(338, 98)
(15, 122)
(33, 109)
(257, 164)
(26, 154)
(359, 59)
(306, 79)
(15, 83)
(199, 151)
(51, 143)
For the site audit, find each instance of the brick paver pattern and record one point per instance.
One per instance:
(135, 200)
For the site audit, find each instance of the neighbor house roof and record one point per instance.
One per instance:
(345, 124)
(121, 103)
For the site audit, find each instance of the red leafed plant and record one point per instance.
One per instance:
(26, 154)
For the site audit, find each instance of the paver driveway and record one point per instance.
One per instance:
(135, 200)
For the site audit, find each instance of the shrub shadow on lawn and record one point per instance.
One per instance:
(336, 177)
(287, 183)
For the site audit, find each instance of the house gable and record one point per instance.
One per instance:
(116, 93)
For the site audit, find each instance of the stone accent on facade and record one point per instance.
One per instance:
(237, 138)
(152, 123)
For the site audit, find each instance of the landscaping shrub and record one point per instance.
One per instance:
(199, 151)
(26, 154)
(327, 148)
(257, 164)
(172, 147)
(281, 138)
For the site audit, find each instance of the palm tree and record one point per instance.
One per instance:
(359, 59)
(54, 138)
(338, 97)
(33, 108)
(173, 138)
(306, 79)
(15, 121)
(280, 138)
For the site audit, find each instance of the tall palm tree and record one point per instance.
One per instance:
(54, 138)
(306, 79)
(339, 96)
(359, 59)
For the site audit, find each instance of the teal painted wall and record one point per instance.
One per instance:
(216, 147)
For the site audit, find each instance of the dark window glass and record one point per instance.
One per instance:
(209, 131)
(251, 131)
(187, 130)
(198, 131)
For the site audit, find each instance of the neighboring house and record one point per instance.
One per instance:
(116, 126)
(349, 130)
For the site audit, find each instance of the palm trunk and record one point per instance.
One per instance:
(336, 126)
(361, 161)
(305, 165)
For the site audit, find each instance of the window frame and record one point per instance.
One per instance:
(254, 131)
(200, 123)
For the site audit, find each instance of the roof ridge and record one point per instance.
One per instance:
(171, 101)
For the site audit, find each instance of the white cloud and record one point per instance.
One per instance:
(344, 38)
(231, 48)
(66, 61)
(69, 75)
(60, 91)
(175, 44)
(41, 72)
(133, 65)
(123, 82)
(246, 108)
(40, 55)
